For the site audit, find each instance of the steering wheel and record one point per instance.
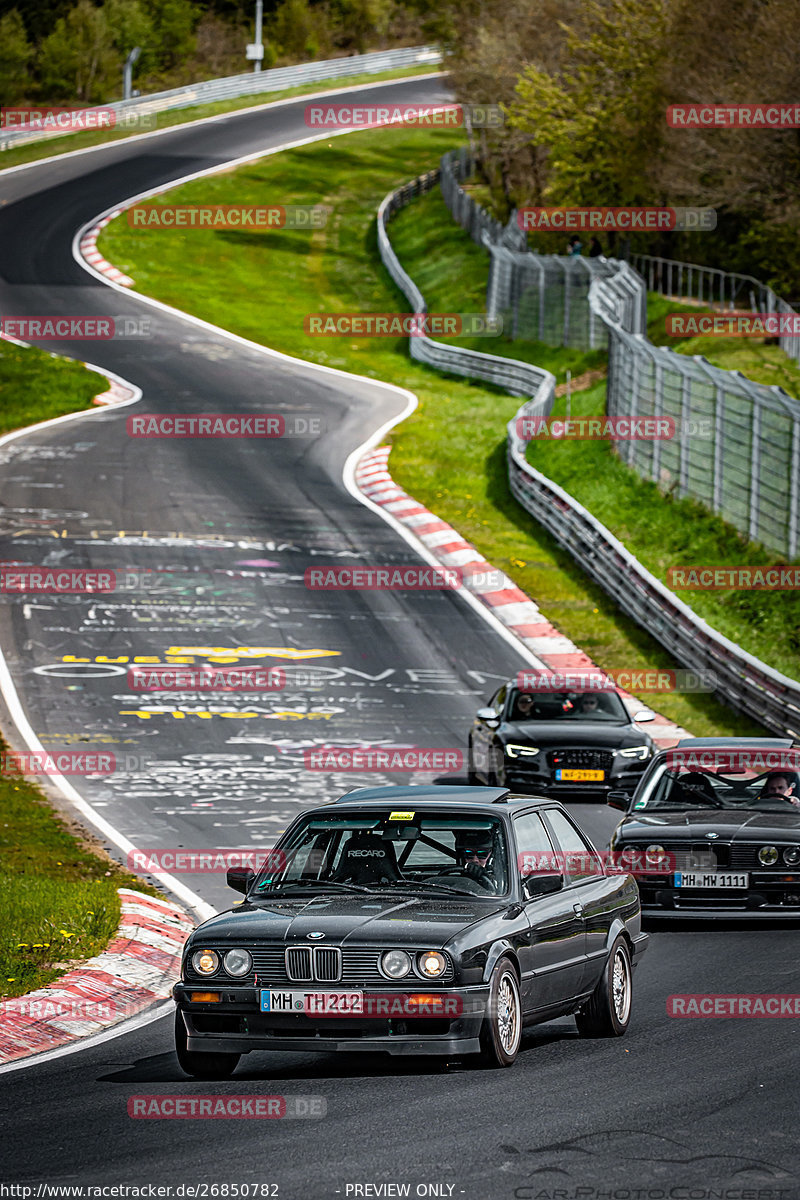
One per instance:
(771, 800)
(481, 876)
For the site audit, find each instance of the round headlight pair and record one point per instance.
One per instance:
(396, 964)
(236, 962)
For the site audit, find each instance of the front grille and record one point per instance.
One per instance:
(359, 968)
(305, 964)
(581, 756)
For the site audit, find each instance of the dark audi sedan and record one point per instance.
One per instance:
(574, 744)
(412, 920)
(714, 830)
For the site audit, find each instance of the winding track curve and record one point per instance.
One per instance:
(675, 1103)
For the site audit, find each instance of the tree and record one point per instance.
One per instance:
(78, 61)
(15, 53)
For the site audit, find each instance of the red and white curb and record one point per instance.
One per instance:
(118, 393)
(136, 970)
(492, 587)
(88, 248)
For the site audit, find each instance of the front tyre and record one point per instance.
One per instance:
(200, 1065)
(501, 1033)
(607, 1012)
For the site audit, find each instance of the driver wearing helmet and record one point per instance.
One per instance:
(475, 854)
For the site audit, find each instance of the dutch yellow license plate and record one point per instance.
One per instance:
(579, 775)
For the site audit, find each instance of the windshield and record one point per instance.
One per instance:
(769, 791)
(568, 706)
(381, 849)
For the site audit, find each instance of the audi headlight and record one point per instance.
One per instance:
(791, 855)
(431, 963)
(205, 962)
(514, 751)
(237, 962)
(395, 963)
(768, 855)
(638, 752)
(654, 853)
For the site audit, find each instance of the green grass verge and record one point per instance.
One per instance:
(165, 120)
(754, 357)
(36, 385)
(58, 897)
(450, 453)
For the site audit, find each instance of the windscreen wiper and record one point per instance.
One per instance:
(317, 883)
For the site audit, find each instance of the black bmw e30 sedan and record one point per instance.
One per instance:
(714, 827)
(566, 742)
(409, 920)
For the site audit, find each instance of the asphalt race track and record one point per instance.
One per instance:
(675, 1109)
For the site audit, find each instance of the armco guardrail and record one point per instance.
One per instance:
(252, 83)
(518, 378)
(745, 682)
(737, 448)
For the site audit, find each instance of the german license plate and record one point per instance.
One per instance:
(579, 775)
(293, 1002)
(711, 879)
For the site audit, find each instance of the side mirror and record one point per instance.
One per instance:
(488, 716)
(618, 799)
(240, 878)
(541, 885)
(644, 714)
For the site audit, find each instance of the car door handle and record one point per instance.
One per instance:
(578, 908)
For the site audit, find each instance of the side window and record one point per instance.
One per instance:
(535, 854)
(580, 861)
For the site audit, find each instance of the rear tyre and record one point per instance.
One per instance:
(200, 1065)
(607, 1012)
(501, 1032)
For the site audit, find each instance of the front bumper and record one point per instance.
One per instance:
(767, 898)
(235, 1025)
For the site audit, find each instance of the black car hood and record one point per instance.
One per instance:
(747, 825)
(565, 733)
(352, 919)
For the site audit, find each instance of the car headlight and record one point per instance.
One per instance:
(654, 854)
(514, 751)
(791, 855)
(238, 962)
(768, 855)
(395, 963)
(205, 962)
(431, 963)
(638, 752)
